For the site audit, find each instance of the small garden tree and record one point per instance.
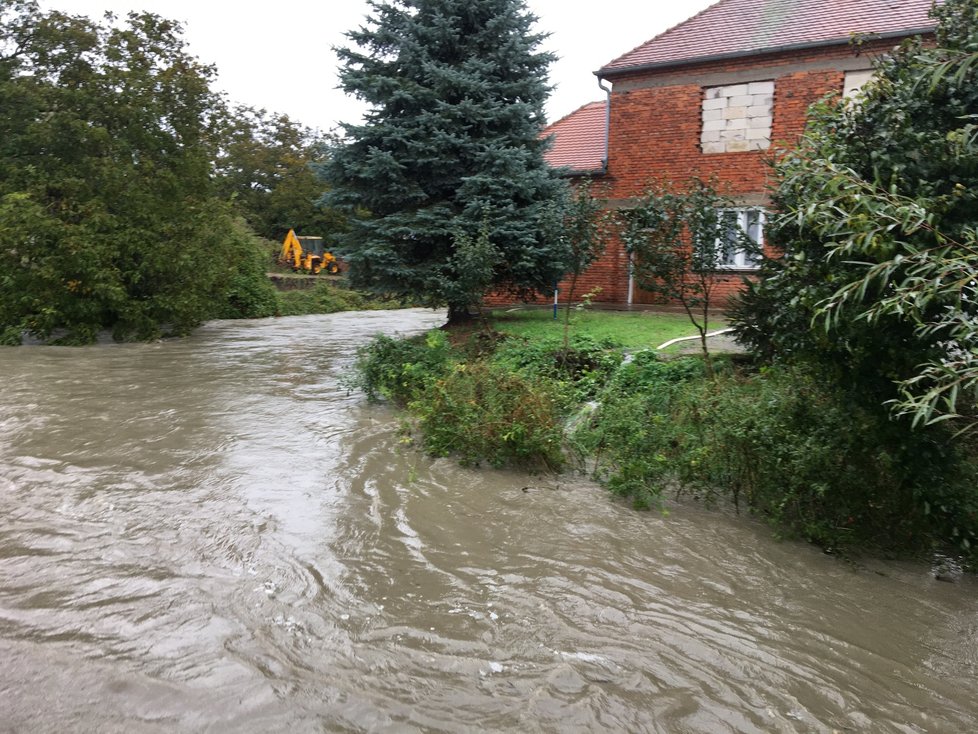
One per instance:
(679, 241)
(474, 263)
(582, 224)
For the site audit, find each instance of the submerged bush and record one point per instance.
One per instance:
(578, 371)
(796, 450)
(483, 412)
(636, 438)
(400, 370)
(479, 411)
(822, 466)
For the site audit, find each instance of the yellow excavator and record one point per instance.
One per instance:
(307, 254)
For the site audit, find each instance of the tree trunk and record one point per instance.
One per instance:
(458, 315)
(707, 358)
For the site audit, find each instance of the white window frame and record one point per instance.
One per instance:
(740, 259)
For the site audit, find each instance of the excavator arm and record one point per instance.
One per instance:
(291, 251)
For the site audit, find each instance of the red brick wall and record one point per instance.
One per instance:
(655, 134)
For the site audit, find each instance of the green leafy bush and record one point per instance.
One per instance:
(578, 371)
(484, 412)
(479, 411)
(321, 298)
(400, 370)
(330, 296)
(795, 448)
(249, 294)
(635, 438)
(824, 467)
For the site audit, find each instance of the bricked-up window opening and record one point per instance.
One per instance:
(732, 253)
(737, 117)
(855, 81)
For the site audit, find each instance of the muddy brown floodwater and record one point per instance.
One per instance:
(213, 534)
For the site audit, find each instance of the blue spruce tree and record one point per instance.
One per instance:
(448, 152)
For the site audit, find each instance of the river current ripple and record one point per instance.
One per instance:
(216, 534)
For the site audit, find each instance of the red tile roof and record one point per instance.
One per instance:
(743, 27)
(579, 139)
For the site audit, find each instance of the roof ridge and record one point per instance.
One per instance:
(735, 28)
(690, 19)
(584, 106)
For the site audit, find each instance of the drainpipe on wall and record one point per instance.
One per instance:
(604, 169)
(607, 123)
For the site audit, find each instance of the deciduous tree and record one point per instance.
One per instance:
(266, 165)
(108, 212)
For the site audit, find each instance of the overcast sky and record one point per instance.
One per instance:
(277, 55)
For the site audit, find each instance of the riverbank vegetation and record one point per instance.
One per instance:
(785, 443)
(851, 422)
(330, 295)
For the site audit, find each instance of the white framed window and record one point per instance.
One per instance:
(732, 254)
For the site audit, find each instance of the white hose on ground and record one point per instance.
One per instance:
(690, 338)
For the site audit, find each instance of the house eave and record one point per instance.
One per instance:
(606, 73)
(567, 172)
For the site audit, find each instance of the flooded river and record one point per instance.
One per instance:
(213, 534)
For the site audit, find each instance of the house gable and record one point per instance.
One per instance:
(716, 97)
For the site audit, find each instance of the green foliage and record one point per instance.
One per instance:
(401, 370)
(638, 445)
(108, 213)
(478, 410)
(583, 225)
(678, 240)
(267, 166)
(249, 293)
(794, 448)
(576, 371)
(473, 263)
(329, 296)
(878, 229)
(818, 465)
(450, 145)
(483, 412)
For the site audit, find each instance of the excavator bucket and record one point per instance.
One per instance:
(291, 251)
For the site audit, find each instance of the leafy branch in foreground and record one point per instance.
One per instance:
(878, 229)
(927, 277)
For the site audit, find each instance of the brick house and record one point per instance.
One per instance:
(717, 95)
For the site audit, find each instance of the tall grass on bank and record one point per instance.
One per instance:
(329, 297)
(815, 462)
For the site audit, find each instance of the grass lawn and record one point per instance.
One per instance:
(631, 329)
